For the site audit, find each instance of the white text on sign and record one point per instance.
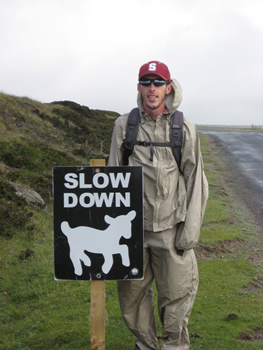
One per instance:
(100, 181)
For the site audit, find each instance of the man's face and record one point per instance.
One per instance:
(154, 96)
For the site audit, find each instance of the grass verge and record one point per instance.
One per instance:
(37, 312)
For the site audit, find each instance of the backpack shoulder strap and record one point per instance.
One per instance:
(131, 134)
(176, 135)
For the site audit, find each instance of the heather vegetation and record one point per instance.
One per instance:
(34, 137)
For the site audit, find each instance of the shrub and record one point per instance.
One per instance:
(14, 214)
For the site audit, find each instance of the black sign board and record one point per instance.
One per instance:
(98, 223)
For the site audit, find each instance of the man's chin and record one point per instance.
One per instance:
(153, 106)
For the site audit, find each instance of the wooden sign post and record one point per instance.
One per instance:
(97, 315)
(97, 301)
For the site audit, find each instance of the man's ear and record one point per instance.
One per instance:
(138, 87)
(168, 89)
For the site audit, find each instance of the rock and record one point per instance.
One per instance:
(29, 195)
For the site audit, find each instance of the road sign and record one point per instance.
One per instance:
(98, 223)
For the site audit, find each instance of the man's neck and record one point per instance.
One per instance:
(153, 113)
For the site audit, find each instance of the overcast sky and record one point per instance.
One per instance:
(90, 51)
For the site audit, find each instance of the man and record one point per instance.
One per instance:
(174, 205)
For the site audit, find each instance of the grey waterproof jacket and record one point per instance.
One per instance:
(171, 197)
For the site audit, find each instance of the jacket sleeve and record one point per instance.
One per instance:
(115, 157)
(196, 184)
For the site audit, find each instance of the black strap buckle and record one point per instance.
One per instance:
(143, 143)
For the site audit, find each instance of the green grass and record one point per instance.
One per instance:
(223, 311)
(37, 312)
(219, 233)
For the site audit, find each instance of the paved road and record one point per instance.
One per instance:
(243, 152)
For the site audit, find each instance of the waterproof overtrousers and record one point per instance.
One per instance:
(176, 279)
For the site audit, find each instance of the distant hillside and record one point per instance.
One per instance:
(36, 136)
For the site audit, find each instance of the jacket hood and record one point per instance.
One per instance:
(173, 100)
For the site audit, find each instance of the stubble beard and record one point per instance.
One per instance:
(154, 107)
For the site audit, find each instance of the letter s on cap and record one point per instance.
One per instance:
(152, 67)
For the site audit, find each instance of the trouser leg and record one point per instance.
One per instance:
(136, 302)
(177, 282)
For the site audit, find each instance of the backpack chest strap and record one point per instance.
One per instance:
(151, 144)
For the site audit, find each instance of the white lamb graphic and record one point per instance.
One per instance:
(104, 242)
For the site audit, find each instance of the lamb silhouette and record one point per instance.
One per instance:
(105, 242)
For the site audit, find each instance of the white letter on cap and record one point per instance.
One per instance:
(152, 67)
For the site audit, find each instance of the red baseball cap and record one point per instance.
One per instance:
(155, 67)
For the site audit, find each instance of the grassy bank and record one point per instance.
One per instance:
(37, 312)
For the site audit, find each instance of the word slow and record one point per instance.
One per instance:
(99, 180)
(105, 242)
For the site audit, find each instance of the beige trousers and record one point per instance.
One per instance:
(176, 279)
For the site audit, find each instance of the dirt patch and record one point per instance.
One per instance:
(256, 335)
(218, 250)
(256, 286)
(25, 254)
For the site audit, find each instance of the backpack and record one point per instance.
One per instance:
(176, 134)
